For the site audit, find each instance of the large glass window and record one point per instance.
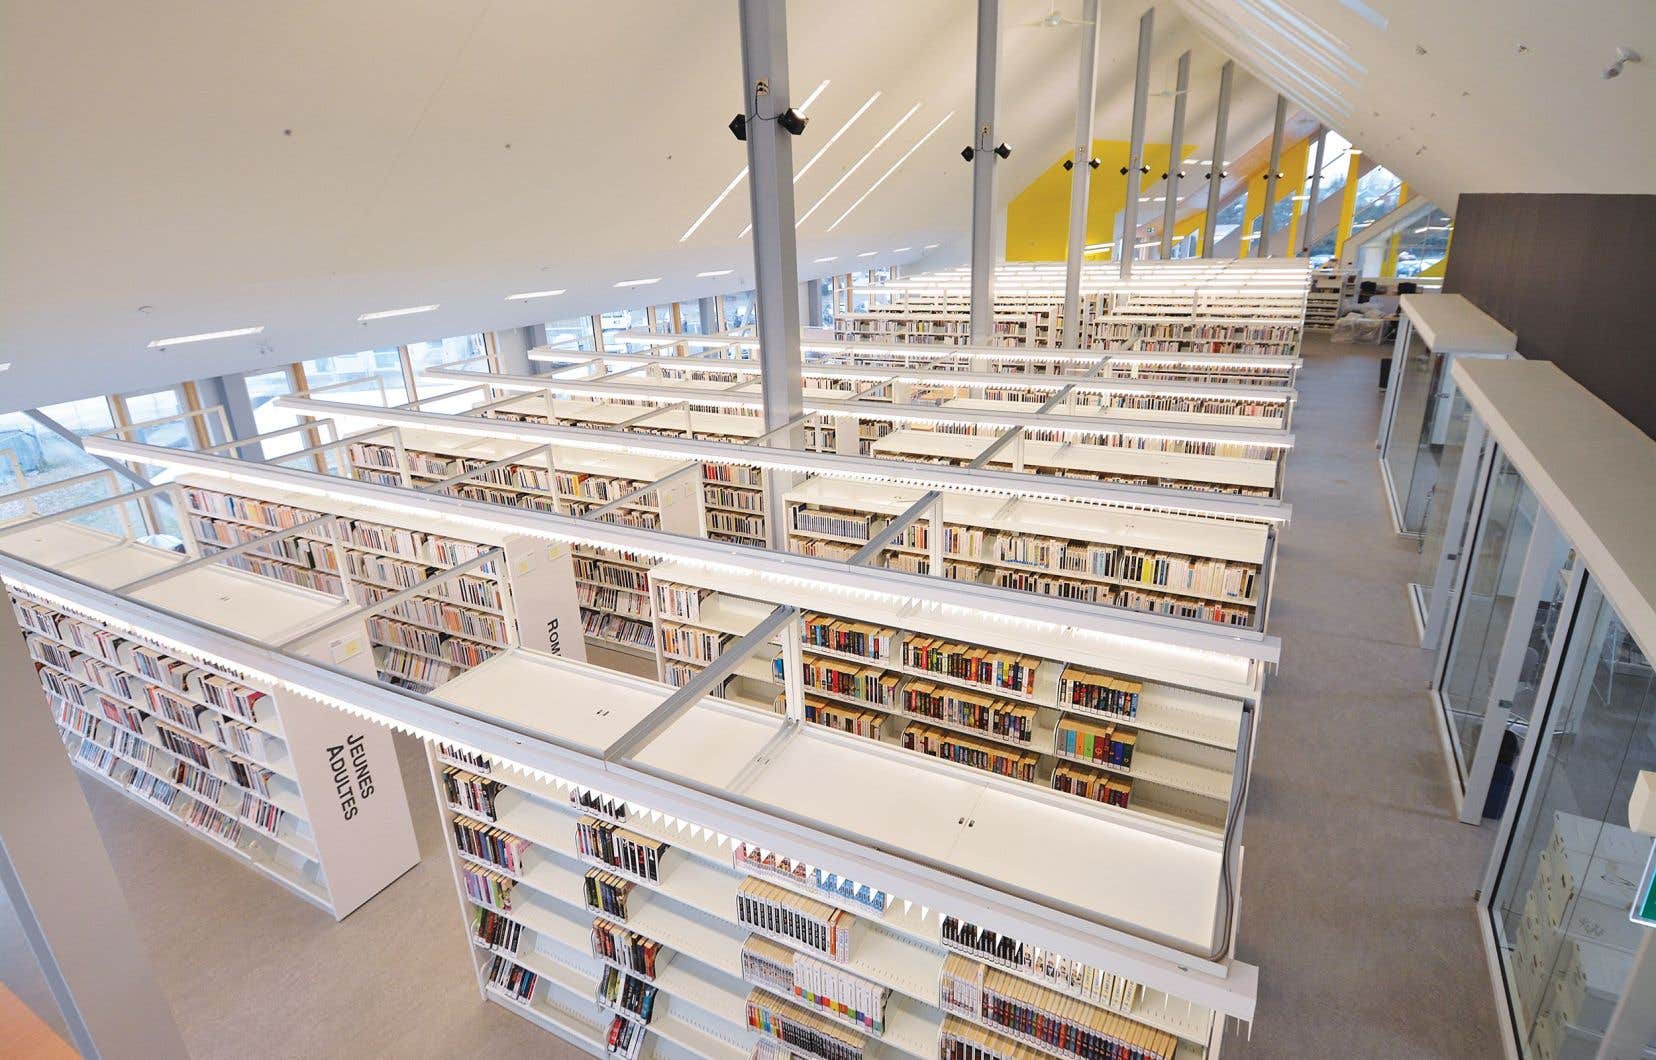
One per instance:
(1229, 218)
(1336, 163)
(621, 320)
(445, 352)
(663, 318)
(1569, 873)
(368, 371)
(154, 405)
(263, 388)
(1423, 243)
(45, 457)
(739, 310)
(690, 315)
(574, 333)
(1377, 195)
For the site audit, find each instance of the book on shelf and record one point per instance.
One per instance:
(1092, 690)
(625, 1037)
(808, 1031)
(620, 945)
(606, 893)
(631, 853)
(973, 710)
(471, 792)
(869, 684)
(512, 978)
(1099, 742)
(967, 751)
(1055, 970)
(1111, 789)
(496, 846)
(845, 718)
(755, 861)
(496, 931)
(621, 990)
(817, 926)
(487, 886)
(1047, 1017)
(814, 984)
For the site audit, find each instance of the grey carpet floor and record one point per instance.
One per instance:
(1357, 881)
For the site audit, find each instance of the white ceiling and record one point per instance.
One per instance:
(296, 165)
(1464, 96)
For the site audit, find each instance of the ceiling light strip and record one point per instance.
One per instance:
(889, 172)
(205, 336)
(857, 165)
(384, 314)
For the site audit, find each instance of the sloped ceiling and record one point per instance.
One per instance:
(295, 165)
(1466, 96)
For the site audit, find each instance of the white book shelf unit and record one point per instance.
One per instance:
(609, 584)
(1214, 570)
(666, 868)
(968, 695)
(597, 910)
(1322, 304)
(732, 497)
(300, 793)
(425, 639)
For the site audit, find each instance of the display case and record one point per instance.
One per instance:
(1548, 704)
(1423, 422)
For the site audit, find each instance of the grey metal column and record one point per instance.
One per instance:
(1216, 168)
(1264, 248)
(708, 310)
(983, 174)
(59, 879)
(1135, 151)
(1308, 216)
(775, 254)
(1175, 156)
(1081, 173)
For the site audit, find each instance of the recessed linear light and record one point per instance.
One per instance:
(890, 171)
(206, 335)
(526, 295)
(902, 250)
(812, 98)
(715, 272)
(822, 150)
(821, 261)
(1354, 151)
(868, 254)
(639, 283)
(383, 313)
(857, 165)
(5, 366)
(931, 246)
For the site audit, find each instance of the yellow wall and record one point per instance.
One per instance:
(1037, 220)
(1293, 174)
(1348, 203)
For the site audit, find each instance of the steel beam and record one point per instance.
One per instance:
(1081, 172)
(1309, 214)
(1135, 151)
(1265, 220)
(983, 174)
(1175, 157)
(1216, 167)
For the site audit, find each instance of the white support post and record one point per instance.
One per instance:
(1080, 174)
(1216, 165)
(1271, 176)
(1135, 150)
(982, 325)
(1175, 157)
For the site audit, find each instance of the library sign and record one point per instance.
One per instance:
(352, 777)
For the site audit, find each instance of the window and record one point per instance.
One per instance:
(663, 318)
(575, 333)
(154, 405)
(1377, 194)
(444, 352)
(739, 310)
(45, 457)
(1336, 161)
(1423, 243)
(1229, 218)
(368, 370)
(690, 315)
(624, 320)
(263, 388)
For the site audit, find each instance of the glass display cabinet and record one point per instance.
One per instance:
(1423, 425)
(1548, 705)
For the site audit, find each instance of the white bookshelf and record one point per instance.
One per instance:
(690, 909)
(1006, 528)
(249, 768)
(1177, 745)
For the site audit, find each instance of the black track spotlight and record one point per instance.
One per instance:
(1094, 163)
(738, 127)
(1004, 151)
(1145, 170)
(1069, 164)
(792, 120)
(968, 154)
(1124, 171)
